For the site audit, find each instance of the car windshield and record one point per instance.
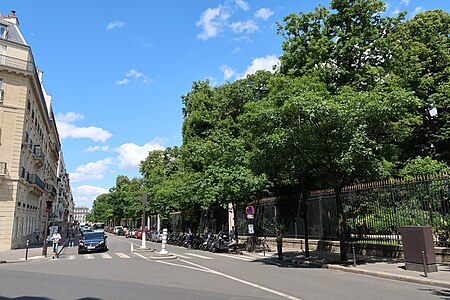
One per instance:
(93, 236)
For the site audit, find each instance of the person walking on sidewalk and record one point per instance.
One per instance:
(56, 239)
(71, 236)
(36, 234)
(279, 239)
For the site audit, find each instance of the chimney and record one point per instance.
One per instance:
(11, 18)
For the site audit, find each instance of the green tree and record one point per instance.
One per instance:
(421, 60)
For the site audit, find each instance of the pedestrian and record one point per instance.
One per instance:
(279, 239)
(56, 240)
(71, 236)
(36, 234)
(232, 234)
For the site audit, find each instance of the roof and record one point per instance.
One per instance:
(13, 32)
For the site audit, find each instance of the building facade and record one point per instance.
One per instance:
(80, 214)
(30, 149)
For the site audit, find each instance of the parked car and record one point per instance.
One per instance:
(92, 242)
(131, 233)
(138, 234)
(118, 230)
(156, 236)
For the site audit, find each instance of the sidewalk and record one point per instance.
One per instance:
(34, 252)
(365, 265)
(372, 266)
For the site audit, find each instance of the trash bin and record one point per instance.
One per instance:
(418, 248)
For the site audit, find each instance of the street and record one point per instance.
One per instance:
(122, 274)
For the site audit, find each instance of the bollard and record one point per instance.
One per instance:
(163, 243)
(26, 252)
(354, 255)
(424, 264)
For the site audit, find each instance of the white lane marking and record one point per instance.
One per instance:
(71, 257)
(122, 255)
(182, 256)
(88, 256)
(141, 256)
(236, 257)
(181, 266)
(244, 281)
(105, 255)
(197, 255)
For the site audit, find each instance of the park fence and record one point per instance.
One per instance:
(373, 213)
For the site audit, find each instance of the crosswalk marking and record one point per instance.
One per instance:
(88, 256)
(105, 255)
(71, 257)
(122, 255)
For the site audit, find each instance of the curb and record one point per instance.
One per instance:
(431, 282)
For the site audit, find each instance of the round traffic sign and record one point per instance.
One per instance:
(250, 210)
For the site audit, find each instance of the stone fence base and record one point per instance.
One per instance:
(380, 250)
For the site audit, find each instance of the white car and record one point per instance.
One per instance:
(156, 236)
(117, 229)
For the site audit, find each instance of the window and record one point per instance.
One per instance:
(2, 93)
(3, 31)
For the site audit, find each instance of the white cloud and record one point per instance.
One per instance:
(227, 71)
(132, 73)
(86, 194)
(69, 117)
(247, 27)
(242, 4)
(404, 2)
(68, 130)
(131, 155)
(212, 21)
(91, 171)
(97, 148)
(122, 81)
(261, 63)
(264, 13)
(417, 10)
(115, 24)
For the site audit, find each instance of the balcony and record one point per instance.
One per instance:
(36, 185)
(16, 63)
(3, 171)
(38, 156)
(51, 189)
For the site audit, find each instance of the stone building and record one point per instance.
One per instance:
(30, 149)
(80, 214)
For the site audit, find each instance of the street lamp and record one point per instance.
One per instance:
(48, 209)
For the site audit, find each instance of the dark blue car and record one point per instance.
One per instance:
(92, 242)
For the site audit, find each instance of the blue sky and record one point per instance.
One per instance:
(117, 69)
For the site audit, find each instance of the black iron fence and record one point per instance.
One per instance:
(374, 213)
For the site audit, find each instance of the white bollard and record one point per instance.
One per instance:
(164, 242)
(144, 240)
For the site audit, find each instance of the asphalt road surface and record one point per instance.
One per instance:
(122, 274)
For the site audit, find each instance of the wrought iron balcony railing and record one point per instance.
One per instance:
(34, 179)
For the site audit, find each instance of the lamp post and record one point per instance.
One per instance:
(48, 209)
(144, 204)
